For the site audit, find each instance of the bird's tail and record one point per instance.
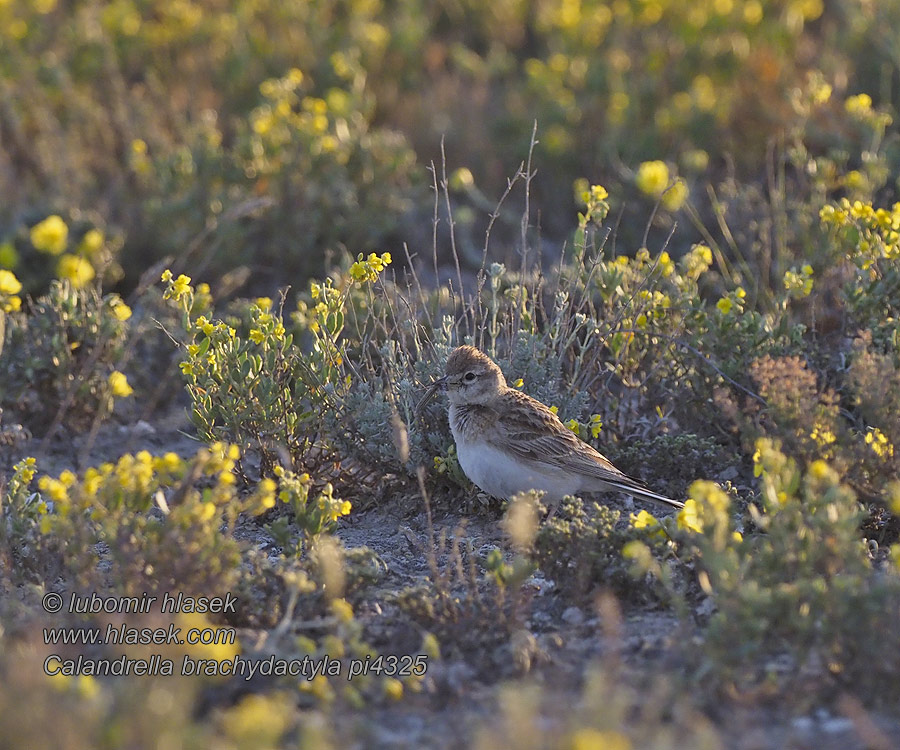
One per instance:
(638, 491)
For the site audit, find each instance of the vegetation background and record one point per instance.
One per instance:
(238, 237)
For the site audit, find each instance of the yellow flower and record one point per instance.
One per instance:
(358, 271)
(598, 193)
(820, 471)
(182, 286)
(120, 310)
(55, 489)
(689, 516)
(264, 303)
(166, 276)
(665, 264)
(643, 520)
(393, 688)
(519, 383)
(50, 236)
(9, 284)
(202, 323)
(266, 493)
(76, 269)
(91, 242)
(257, 336)
(595, 739)
(118, 385)
(675, 196)
(652, 177)
(26, 468)
(596, 425)
(258, 720)
(724, 305)
(861, 104)
(461, 179)
(206, 511)
(573, 425)
(342, 610)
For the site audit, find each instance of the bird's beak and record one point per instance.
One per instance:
(434, 387)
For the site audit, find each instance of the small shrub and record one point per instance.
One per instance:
(61, 356)
(802, 588)
(159, 531)
(259, 390)
(580, 548)
(22, 548)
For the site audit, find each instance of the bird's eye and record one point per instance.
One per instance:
(470, 376)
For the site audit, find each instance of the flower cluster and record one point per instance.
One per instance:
(313, 516)
(69, 336)
(266, 327)
(17, 501)
(707, 507)
(645, 521)
(878, 228)
(652, 305)
(370, 268)
(799, 284)
(653, 179)
(732, 302)
(10, 287)
(176, 288)
(160, 518)
(594, 197)
(51, 237)
(696, 262)
(860, 107)
(879, 443)
(593, 426)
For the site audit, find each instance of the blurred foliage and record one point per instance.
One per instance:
(726, 300)
(267, 133)
(61, 357)
(803, 578)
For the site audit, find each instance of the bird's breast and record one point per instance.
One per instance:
(494, 470)
(471, 421)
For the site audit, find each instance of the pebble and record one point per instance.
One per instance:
(573, 616)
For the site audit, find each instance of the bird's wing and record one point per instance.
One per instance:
(536, 434)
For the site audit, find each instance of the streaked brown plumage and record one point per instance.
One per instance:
(508, 442)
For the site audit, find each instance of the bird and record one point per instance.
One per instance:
(508, 442)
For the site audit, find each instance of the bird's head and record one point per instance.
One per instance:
(472, 377)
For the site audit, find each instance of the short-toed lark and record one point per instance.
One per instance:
(508, 442)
